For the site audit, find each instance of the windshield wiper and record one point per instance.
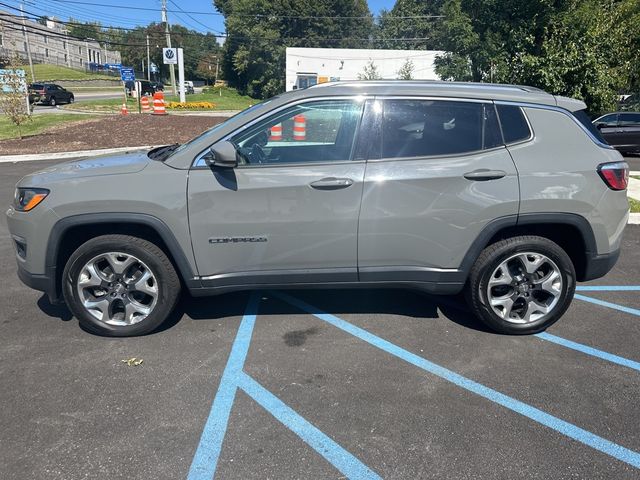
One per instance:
(161, 153)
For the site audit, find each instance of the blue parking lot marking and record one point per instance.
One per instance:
(205, 460)
(572, 431)
(602, 303)
(625, 362)
(336, 455)
(608, 288)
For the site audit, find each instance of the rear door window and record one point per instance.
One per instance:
(421, 128)
(514, 124)
(629, 119)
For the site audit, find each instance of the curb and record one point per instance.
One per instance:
(69, 155)
(202, 113)
(634, 219)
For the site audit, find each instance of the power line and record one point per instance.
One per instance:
(194, 19)
(258, 15)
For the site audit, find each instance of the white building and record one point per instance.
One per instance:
(308, 66)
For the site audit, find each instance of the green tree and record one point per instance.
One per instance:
(418, 20)
(579, 48)
(406, 71)
(13, 94)
(369, 72)
(260, 30)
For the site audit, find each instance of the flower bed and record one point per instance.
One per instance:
(190, 105)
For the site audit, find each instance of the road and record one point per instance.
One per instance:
(361, 384)
(40, 109)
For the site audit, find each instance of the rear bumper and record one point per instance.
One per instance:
(599, 265)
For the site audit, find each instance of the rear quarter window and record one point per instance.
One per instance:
(514, 124)
(583, 118)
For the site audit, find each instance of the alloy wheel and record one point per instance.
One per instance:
(117, 288)
(525, 287)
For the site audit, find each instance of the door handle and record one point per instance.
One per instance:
(484, 174)
(331, 183)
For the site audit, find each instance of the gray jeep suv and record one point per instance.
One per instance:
(504, 191)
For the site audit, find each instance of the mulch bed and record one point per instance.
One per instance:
(111, 132)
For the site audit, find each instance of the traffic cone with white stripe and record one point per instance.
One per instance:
(124, 110)
(276, 133)
(299, 127)
(144, 102)
(158, 104)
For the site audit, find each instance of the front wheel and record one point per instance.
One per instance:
(52, 101)
(120, 285)
(521, 285)
(72, 99)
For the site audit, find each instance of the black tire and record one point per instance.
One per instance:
(52, 101)
(168, 283)
(492, 257)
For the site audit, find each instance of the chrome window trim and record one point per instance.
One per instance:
(363, 98)
(532, 134)
(559, 110)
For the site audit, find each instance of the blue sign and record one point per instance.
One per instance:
(127, 75)
(12, 77)
(113, 66)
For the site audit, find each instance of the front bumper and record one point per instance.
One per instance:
(41, 282)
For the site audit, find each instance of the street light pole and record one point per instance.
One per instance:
(26, 36)
(172, 72)
(148, 60)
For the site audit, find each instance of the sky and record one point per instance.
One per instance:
(111, 15)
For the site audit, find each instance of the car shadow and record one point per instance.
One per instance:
(397, 302)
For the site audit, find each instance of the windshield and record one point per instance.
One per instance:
(215, 128)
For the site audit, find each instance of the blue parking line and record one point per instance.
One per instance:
(589, 350)
(572, 431)
(205, 460)
(602, 303)
(342, 460)
(608, 288)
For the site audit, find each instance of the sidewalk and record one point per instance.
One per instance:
(633, 190)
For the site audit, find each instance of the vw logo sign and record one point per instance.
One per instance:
(169, 53)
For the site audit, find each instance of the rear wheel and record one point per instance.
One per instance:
(119, 285)
(52, 101)
(521, 285)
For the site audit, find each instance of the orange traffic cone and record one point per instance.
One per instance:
(299, 127)
(276, 133)
(144, 102)
(124, 110)
(158, 104)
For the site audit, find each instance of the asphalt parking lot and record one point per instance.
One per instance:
(321, 384)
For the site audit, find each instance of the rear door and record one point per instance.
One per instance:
(289, 212)
(608, 126)
(437, 176)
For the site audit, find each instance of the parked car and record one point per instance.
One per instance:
(188, 87)
(147, 88)
(50, 93)
(158, 86)
(621, 130)
(505, 192)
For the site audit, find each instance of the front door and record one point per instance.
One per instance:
(289, 212)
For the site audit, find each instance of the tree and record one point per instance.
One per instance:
(417, 20)
(406, 71)
(209, 67)
(369, 72)
(258, 32)
(554, 45)
(13, 94)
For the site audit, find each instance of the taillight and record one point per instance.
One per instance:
(615, 174)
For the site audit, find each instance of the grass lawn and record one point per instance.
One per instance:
(229, 100)
(54, 72)
(635, 176)
(37, 125)
(634, 205)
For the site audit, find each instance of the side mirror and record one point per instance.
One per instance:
(222, 155)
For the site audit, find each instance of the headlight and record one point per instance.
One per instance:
(26, 199)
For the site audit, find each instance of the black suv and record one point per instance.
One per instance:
(50, 93)
(148, 88)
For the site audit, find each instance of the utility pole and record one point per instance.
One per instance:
(148, 60)
(172, 72)
(26, 36)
